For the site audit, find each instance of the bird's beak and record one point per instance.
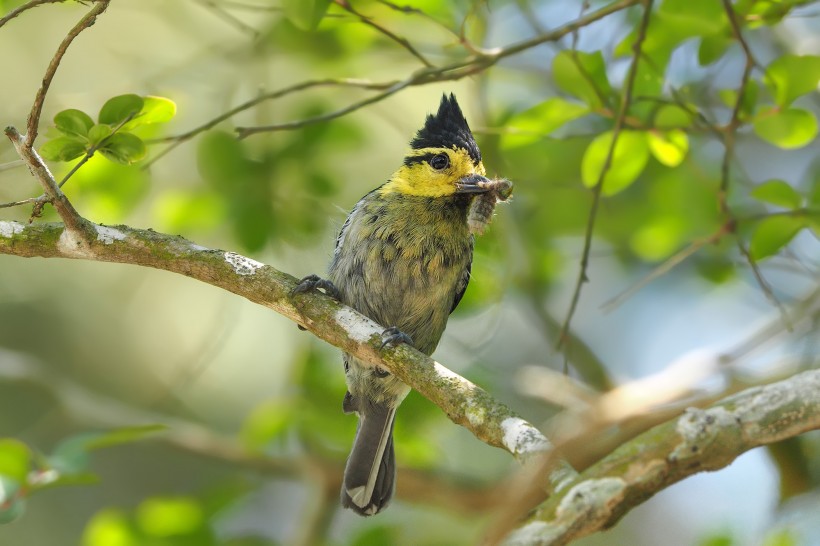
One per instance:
(474, 183)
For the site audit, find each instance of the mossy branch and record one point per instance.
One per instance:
(698, 440)
(464, 402)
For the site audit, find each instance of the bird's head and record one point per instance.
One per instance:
(444, 158)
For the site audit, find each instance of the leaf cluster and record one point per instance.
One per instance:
(75, 133)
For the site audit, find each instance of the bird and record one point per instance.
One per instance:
(403, 258)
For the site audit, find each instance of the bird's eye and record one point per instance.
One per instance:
(440, 162)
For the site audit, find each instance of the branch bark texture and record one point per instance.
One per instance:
(698, 440)
(464, 402)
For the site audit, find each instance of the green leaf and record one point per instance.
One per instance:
(305, 14)
(542, 119)
(154, 110)
(672, 23)
(71, 456)
(787, 129)
(773, 233)
(123, 435)
(73, 122)
(791, 76)
(582, 75)
(15, 459)
(781, 537)
(382, 534)
(98, 133)
(118, 109)
(693, 17)
(243, 184)
(672, 116)
(628, 160)
(124, 148)
(109, 527)
(749, 103)
(63, 149)
(12, 504)
(712, 48)
(658, 239)
(169, 516)
(670, 147)
(778, 192)
(718, 539)
(764, 12)
(266, 422)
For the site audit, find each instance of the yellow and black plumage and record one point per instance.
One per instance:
(403, 259)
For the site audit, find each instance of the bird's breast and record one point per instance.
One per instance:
(400, 263)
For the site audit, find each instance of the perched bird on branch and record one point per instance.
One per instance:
(403, 259)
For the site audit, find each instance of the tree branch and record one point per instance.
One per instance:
(403, 42)
(464, 402)
(696, 441)
(76, 226)
(34, 117)
(480, 61)
(599, 184)
(729, 137)
(25, 7)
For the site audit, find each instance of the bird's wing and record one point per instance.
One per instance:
(461, 286)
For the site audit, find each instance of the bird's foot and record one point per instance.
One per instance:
(393, 336)
(315, 282)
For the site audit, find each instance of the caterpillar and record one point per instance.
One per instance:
(483, 205)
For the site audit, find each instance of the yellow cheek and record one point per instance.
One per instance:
(422, 186)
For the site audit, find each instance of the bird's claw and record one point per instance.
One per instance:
(315, 282)
(393, 336)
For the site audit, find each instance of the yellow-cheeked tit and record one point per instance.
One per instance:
(403, 259)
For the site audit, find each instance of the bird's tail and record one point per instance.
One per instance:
(370, 473)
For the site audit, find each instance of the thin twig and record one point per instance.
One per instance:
(403, 42)
(244, 132)
(411, 10)
(596, 192)
(729, 136)
(27, 6)
(11, 165)
(228, 17)
(250, 7)
(665, 268)
(525, 8)
(23, 202)
(731, 130)
(74, 223)
(764, 285)
(575, 34)
(176, 140)
(482, 60)
(34, 117)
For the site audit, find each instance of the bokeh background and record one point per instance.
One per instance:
(256, 438)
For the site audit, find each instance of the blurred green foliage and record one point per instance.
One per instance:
(543, 119)
(24, 471)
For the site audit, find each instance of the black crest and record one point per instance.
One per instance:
(446, 129)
